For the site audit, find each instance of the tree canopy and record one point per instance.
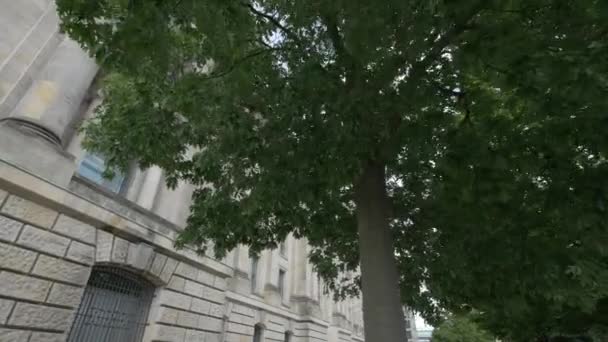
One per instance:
(458, 328)
(487, 117)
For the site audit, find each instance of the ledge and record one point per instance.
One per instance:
(162, 237)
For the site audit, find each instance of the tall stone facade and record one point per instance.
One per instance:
(79, 252)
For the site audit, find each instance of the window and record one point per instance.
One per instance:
(92, 168)
(319, 289)
(287, 337)
(283, 248)
(258, 332)
(114, 307)
(254, 273)
(282, 283)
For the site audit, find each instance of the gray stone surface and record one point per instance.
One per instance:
(81, 252)
(200, 305)
(186, 270)
(65, 295)
(13, 335)
(140, 256)
(167, 315)
(168, 270)
(210, 323)
(3, 195)
(104, 246)
(187, 319)
(40, 316)
(195, 336)
(28, 211)
(61, 270)
(43, 240)
(9, 228)
(16, 258)
(120, 250)
(5, 308)
(174, 299)
(158, 264)
(205, 277)
(194, 289)
(177, 283)
(47, 337)
(23, 287)
(169, 333)
(75, 229)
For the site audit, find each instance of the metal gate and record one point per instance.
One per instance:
(114, 307)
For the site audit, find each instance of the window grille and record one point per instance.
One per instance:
(114, 307)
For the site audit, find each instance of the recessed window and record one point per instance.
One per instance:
(254, 273)
(114, 307)
(282, 283)
(92, 168)
(287, 337)
(283, 248)
(258, 333)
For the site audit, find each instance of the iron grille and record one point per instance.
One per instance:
(114, 307)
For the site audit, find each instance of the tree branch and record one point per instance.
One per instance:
(238, 62)
(272, 20)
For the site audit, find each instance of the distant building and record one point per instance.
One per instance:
(410, 325)
(424, 335)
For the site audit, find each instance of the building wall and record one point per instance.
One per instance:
(57, 226)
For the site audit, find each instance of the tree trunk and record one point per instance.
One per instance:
(382, 308)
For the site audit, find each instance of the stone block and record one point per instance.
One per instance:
(29, 211)
(75, 229)
(210, 323)
(16, 258)
(214, 295)
(140, 256)
(216, 310)
(9, 228)
(158, 264)
(177, 283)
(3, 195)
(213, 337)
(195, 336)
(187, 271)
(168, 270)
(205, 277)
(40, 316)
(104, 246)
(174, 299)
(43, 240)
(23, 287)
(65, 295)
(167, 315)
(13, 335)
(5, 307)
(194, 289)
(81, 252)
(187, 319)
(220, 283)
(62, 270)
(200, 305)
(120, 250)
(47, 337)
(169, 333)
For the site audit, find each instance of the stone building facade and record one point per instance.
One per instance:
(88, 259)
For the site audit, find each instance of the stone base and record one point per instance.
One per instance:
(27, 150)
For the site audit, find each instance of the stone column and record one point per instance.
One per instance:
(41, 120)
(53, 101)
(150, 187)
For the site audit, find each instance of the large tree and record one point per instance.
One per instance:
(457, 145)
(460, 328)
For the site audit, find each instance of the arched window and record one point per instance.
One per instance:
(258, 333)
(114, 307)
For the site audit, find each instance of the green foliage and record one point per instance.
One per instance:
(490, 117)
(459, 328)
